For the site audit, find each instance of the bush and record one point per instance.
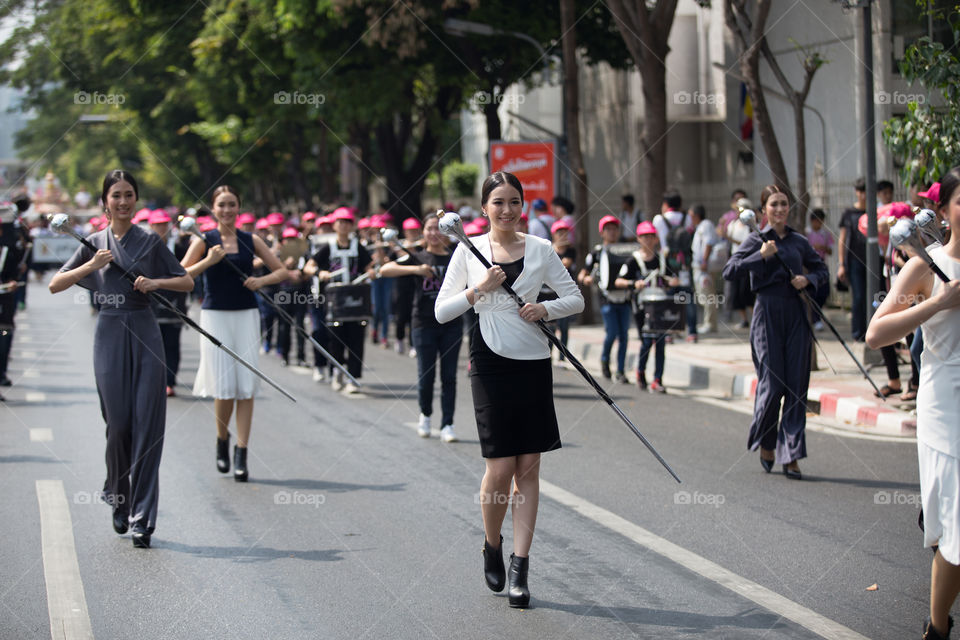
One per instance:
(460, 179)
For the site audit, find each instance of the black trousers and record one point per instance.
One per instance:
(170, 334)
(346, 345)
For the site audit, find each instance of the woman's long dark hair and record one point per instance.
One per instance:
(949, 184)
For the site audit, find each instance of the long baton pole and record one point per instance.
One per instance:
(455, 226)
(64, 228)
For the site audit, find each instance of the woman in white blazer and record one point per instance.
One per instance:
(510, 374)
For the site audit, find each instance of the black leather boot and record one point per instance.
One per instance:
(493, 571)
(517, 575)
(223, 455)
(930, 633)
(240, 464)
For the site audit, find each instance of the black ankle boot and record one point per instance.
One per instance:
(517, 575)
(240, 464)
(930, 633)
(493, 571)
(223, 455)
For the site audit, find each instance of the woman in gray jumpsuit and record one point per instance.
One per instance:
(780, 331)
(128, 351)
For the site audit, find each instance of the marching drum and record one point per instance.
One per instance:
(348, 303)
(662, 313)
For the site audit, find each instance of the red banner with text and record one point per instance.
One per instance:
(534, 164)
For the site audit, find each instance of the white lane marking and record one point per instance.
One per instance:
(28, 354)
(748, 589)
(41, 435)
(69, 618)
(23, 338)
(35, 396)
(31, 373)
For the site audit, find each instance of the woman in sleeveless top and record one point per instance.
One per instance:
(128, 352)
(919, 298)
(230, 313)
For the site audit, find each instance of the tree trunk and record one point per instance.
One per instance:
(750, 68)
(653, 143)
(571, 115)
(494, 131)
(798, 218)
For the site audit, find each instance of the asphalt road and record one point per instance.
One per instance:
(353, 527)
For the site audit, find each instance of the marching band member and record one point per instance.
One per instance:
(511, 373)
(229, 312)
(129, 370)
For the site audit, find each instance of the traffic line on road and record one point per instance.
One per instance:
(66, 603)
(35, 396)
(748, 589)
(41, 434)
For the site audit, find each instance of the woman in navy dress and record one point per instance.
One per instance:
(128, 351)
(229, 312)
(780, 331)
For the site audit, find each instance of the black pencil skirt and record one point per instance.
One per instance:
(513, 403)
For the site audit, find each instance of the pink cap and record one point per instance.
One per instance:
(204, 220)
(523, 217)
(377, 222)
(899, 210)
(646, 228)
(473, 229)
(95, 221)
(386, 216)
(363, 223)
(262, 223)
(605, 220)
(246, 218)
(158, 217)
(344, 213)
(933, 193)
(308, 216)
(560, 224)
(290, 232)
(276, 218)
(324, 220)
(140, 216)
(411, 223)
(208, 226)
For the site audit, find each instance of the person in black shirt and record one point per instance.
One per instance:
(636, 275)
(780, 331)
(852, 257)
(560, 230)
(169, 322)
(12, 249)
(348, 254)
(430, 338)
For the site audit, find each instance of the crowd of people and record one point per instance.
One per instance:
(259, 280)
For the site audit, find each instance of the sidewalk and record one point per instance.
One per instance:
(719, 365)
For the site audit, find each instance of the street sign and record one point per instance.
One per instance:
(533, 162)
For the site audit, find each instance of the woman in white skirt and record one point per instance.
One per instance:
(919, 298)
(229, 312)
